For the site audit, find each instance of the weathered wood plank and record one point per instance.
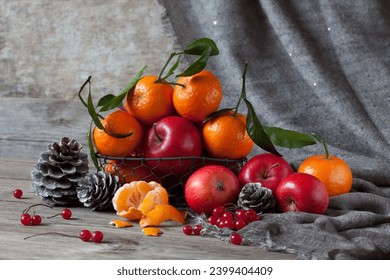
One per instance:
(126, 243)
(29, 125)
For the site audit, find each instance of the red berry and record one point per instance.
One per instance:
(212, 220)
(97, 236)
(240, 223)
(218, 211)
(251, 216)
(229, 223)
(236, 238)
(36, 220)
(197, 229)
(66, 214)
(25, 219)
(188, 230)
(18, 193)
(228, 215)
(240, 214)
(85, 235)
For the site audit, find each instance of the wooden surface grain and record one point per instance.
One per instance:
(118, 243)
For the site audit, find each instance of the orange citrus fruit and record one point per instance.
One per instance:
(332, 171)
(135, 199)
(225, 136)
(118, 123)
(200, 96)
(149, 101)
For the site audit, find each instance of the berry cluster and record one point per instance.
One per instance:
(35, 220)
(189, 230)
(85, 235)
(223, 217)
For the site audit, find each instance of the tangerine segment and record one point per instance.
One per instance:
(152, 231)
(131, 214)
(160, 214)
(132, 194)
(158, 196)
(332, 171)
(225, 136)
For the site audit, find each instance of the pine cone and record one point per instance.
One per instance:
(55, 175)
(256, 197)
(96, 190)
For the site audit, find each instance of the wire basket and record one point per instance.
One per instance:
(172, 172)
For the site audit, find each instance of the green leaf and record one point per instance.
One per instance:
(115, 102)
(92, 149)
(92, 112)
(198, 65)
(105, 99)
(256, 131)
(199, 46)
(288, 138)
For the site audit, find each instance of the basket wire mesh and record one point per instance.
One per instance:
(171, 172)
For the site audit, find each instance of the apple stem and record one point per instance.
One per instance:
(323, 143)
(220, 186)
(155, 131)
(273, 166)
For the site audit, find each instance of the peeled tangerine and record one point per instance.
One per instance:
(147, 202)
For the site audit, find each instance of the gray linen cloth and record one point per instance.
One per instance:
(316, 67)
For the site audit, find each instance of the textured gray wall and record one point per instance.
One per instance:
(48, 48)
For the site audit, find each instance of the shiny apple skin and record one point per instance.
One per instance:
(302, 192)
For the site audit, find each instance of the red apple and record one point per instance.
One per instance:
(268, 169)
(209, 187)
(302, 192)
(172, 137)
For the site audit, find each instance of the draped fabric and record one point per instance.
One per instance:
(317, 67)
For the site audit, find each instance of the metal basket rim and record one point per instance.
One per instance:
(202, 158)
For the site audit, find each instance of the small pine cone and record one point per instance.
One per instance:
(254, 196)
(96, 190)
(55, 175)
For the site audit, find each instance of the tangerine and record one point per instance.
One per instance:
(225, 136)
(129, 170)
(200, 96)
(332, 171)
(118, 123)
(149, 101)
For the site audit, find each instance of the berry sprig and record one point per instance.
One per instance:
(66, 214)
(85, 235)
(35, 219)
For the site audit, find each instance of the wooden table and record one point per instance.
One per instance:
(118, 243)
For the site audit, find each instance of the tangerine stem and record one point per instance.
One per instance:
(323, 143)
